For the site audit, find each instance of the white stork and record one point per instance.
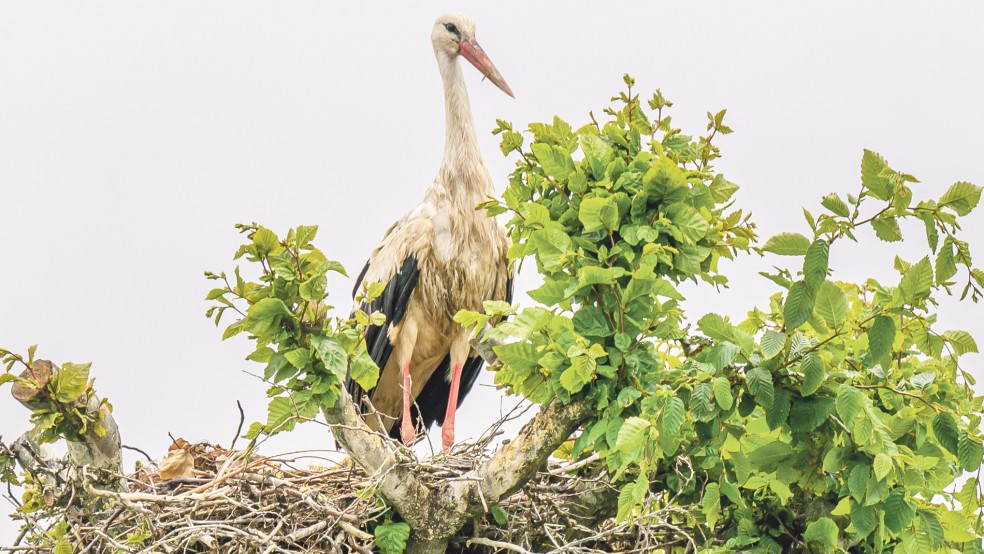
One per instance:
(441, 257)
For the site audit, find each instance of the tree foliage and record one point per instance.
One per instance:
(836, 417)
(305, 353)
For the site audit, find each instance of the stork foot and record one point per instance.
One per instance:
(407, 432)
(447, 436)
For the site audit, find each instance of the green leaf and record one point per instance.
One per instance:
(267, 317)
(580, 373)
(550, 292)
(556, 162)
(71, 382)
(589, 321)
(864, 519)
(833, 461)
(332, 354)
(531, 320)
(961, 197)
(673, 414)
(215, 293)
(946, 265)
(518, 355)
(688, 220)
(970, 453)
(597, 152)
(700, 402)
(62, 546)
(814, 373)
(711, 503)
(391, 538)
(499, 515)
(280, 410)
(898, 512)
(770, 455)
(815, 263)
(314, 288)
(632, 434)
(591, 275)
(822, 532)
(722, 393)
(881, 336)
(945, 429)
(915, 284)
(722, 355)
(957, 527)
(305, 234)
(760, 385)
(872, 165)
(364, 370)
(806, 414)
(787, 244)
(551, 244)
(715, 327)
(887, 229)
(266, 241)
(849, 402)
(772, 343)
(882, 465)
(836, 204)
(777, 413)
(799, 305)
(298, 357)
(930, 532)
(626, 502)
(962, 342)
(598, 213)
(831, 304)
(857, 480)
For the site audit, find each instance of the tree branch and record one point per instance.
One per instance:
(436, 510)
(515, 463)
(94, 451)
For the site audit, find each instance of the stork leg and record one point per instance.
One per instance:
(447, 430)
(459, 353)
(407, 432)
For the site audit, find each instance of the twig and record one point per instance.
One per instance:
(239, 429)
(497, 544)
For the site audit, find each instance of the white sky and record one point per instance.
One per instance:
(133, 135)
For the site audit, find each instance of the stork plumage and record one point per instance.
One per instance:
(441, 257)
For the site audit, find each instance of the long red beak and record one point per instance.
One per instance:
(474, 53)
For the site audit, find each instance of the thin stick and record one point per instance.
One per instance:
(239, 430)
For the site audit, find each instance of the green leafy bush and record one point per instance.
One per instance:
(306, 353)
(838, 417)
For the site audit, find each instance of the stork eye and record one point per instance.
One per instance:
(452, 29)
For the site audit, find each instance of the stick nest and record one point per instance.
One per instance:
(233, 502)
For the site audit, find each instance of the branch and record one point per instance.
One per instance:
(437, 509)
(515, 463)
(385, 460)
(93, 451)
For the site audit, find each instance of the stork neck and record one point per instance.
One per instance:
(462, 165)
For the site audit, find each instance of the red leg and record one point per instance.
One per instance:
(407, 431)
(447, 430)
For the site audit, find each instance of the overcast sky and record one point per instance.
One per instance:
(133, 135)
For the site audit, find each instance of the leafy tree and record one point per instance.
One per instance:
(836, 418)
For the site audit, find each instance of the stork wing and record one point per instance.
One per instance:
(393, 303)
(433, 399)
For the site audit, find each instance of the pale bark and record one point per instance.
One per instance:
(436, 510)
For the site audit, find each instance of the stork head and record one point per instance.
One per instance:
(454, 35)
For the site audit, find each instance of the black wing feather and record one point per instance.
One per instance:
(393, 303)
